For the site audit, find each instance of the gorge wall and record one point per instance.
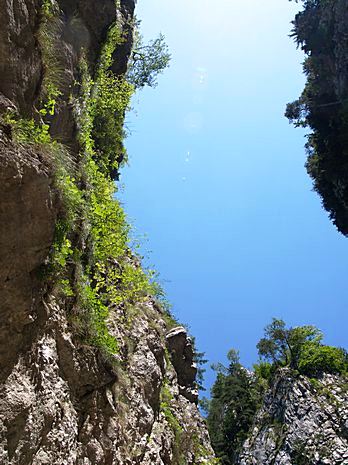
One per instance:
(90, 379)
(302, 422)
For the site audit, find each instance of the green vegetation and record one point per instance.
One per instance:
(301, 349)
(108, 273)
(91, 267)
(167, 410)
(238, 393)
(320, 31)
(109, 99)
(236, 396)
(317, 359)
(147, 61)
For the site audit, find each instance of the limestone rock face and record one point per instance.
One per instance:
(20, 64)
(27, 218)
(63, 402)
(302, 422)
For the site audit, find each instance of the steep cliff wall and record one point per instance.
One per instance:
(92, 369)
(301, 422)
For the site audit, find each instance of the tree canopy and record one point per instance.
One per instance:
(282, 345)
(147, 61)
(301, 349)
(236, 396)
(320, 30)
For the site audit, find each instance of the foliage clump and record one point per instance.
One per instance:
(301, 349)
(109, 100)
(147, 61)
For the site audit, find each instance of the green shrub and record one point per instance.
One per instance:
(27, 132)
(264, 371)
(110, 99)
(316, 359)
(95, 316)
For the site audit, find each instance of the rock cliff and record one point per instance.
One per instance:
(301, 422)
(88, 375)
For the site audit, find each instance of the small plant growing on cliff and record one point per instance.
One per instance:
(167, 410)
(147, 61)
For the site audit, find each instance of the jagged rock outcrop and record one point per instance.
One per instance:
(302, 422)
(63, 404)
(182, 356)
(64, 401)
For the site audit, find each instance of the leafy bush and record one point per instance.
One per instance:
(264, 371)
(316, 359)
(108, 100)
(26, 131)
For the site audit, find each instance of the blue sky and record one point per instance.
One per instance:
(217, 180)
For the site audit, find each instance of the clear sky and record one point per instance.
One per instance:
(217, 179)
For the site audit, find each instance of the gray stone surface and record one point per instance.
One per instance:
(181, 350)
(302, 422)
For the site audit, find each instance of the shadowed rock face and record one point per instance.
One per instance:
(181, 352)
(20, 64)
(82, 27)
(27, 222)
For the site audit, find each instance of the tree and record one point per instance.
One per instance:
(282, 346)
(147, 61)
(235, 399)
(320, 30)
(200, 361)
(301, 349)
